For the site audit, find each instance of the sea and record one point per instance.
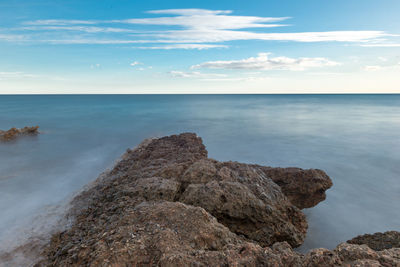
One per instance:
(354, 138)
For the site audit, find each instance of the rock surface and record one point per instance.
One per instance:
(304, 188)
(13, 133)
(167, 204)
(378, 241)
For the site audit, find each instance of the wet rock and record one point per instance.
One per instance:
(378, 241)
(13, 133)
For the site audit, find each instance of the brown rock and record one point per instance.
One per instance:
(13, 133)
(166, 204)
(304, 188)
(378, 241)
(240, 196)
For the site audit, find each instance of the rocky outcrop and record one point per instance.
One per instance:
(174, 234)
(378, 241)
(167, 204)
(304, 188)
(13, 133)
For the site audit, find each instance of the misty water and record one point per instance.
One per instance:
(354, 138)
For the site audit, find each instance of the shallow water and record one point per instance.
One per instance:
(354, 138)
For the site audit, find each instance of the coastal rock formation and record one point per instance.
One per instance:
(165, 203)
(13, 133)
(378, 241)
(176, 168)
(174, 234)
(304, 188)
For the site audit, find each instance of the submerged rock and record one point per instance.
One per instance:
(13, 133)
(167, 204)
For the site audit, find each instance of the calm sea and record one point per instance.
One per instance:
(354, 138)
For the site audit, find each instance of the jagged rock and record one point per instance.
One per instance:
(166, 204)
(13, 133)
(304, 188)
(378, 241)
(176, 168)
(167, 233)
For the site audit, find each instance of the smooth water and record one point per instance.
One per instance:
(354, 138)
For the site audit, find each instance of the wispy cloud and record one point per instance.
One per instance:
(11, 37)
(135, 63)
(209, 36)
(264, 62)
(59, 22)
(189, 12)
(5, 75)
(88, 29)
(183, 46)
(381, 45)
(195, 74)
(208, 21)
(196, 29)
(373, 68)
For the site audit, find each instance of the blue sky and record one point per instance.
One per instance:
(120, 46)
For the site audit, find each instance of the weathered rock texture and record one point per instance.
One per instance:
(378, 241)
(304, 188)
(13, 133)
(166, 204)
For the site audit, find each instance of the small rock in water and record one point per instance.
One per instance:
(13, 133)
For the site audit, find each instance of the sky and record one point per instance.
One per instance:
(253, 46)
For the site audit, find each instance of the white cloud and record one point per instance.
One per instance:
(381, 45)
(135, 63)
(195, 27)
(205, 19)
(183, 46)
(264, 62)
(11, 37)
(59, 22)
(201, 36)
(383, 59)
(93, 66)
(88, 29)
(389, 68)
(190, 12)
(6, 75)
(195, 74)
(92, 41)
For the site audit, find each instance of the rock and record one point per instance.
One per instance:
(240, 196)
(250, 205)
(13, 133)
(378, 241)
(165, 203)
(304, 188)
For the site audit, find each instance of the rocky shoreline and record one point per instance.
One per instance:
(14, 133)
(165, 203)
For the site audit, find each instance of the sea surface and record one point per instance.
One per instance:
(354, 138)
